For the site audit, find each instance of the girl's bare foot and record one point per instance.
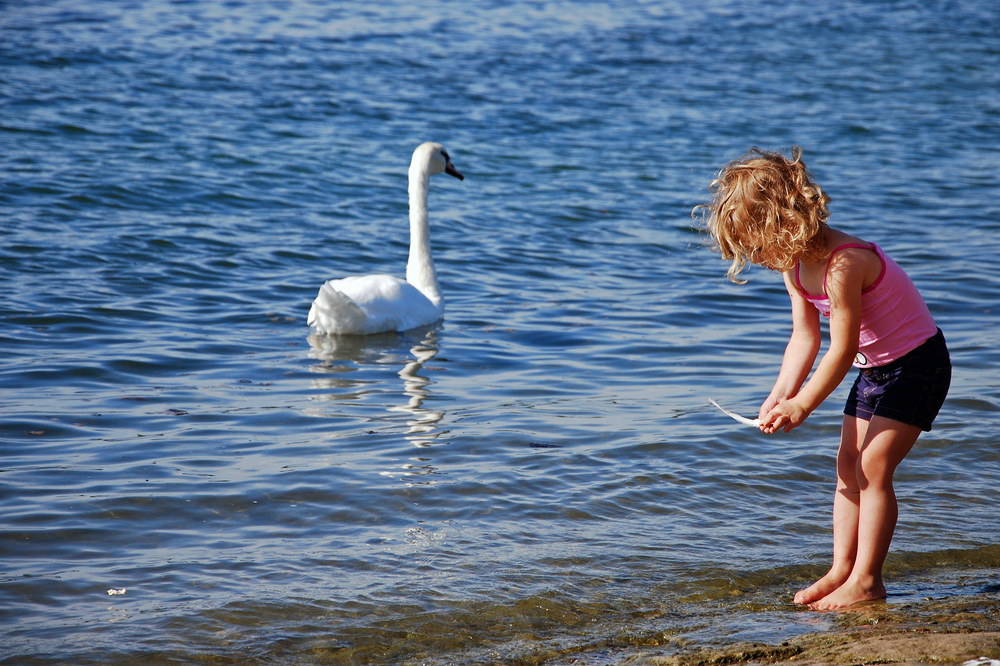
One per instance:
(821, 588)
(848, 594)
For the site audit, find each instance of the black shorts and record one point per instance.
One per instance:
(910, 389)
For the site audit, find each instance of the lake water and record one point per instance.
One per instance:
(538, 477)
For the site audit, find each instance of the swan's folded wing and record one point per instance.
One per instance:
(365, 304)
(390, 304)
(333, 312)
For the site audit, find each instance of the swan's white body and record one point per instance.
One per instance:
(364, 304)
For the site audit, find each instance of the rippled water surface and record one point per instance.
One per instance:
(538, 476)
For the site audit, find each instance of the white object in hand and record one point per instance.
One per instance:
(365, 304)
(742, 419)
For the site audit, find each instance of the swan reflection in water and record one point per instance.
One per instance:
(340, 358)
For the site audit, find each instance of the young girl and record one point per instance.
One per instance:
(767, 210)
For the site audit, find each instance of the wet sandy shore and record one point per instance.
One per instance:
(935, 631)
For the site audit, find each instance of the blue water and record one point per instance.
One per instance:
(540, 475)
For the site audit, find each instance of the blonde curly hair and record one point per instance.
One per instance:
(766, 210)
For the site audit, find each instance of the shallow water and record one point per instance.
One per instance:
(539, 475)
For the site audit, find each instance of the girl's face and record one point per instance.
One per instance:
(759, 256)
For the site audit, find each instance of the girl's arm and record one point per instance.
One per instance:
(800, 353)
(844, 281)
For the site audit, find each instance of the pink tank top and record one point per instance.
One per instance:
(894, 318)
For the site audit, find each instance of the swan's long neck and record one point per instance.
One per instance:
(420, 267)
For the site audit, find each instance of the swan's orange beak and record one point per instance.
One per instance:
(452, 171)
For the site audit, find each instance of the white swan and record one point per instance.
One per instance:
(364, 304)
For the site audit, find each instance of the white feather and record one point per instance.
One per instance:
(742, 419)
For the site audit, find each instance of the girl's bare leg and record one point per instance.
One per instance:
(885, 445)
(845, 514)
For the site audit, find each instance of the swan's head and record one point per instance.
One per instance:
(433, 157)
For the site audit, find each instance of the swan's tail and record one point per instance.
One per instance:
(333, 312)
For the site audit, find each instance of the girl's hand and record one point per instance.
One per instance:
(786, 415)
(767, 406)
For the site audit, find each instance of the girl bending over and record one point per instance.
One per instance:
(767, 210)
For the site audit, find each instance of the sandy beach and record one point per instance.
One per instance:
(935, 631)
